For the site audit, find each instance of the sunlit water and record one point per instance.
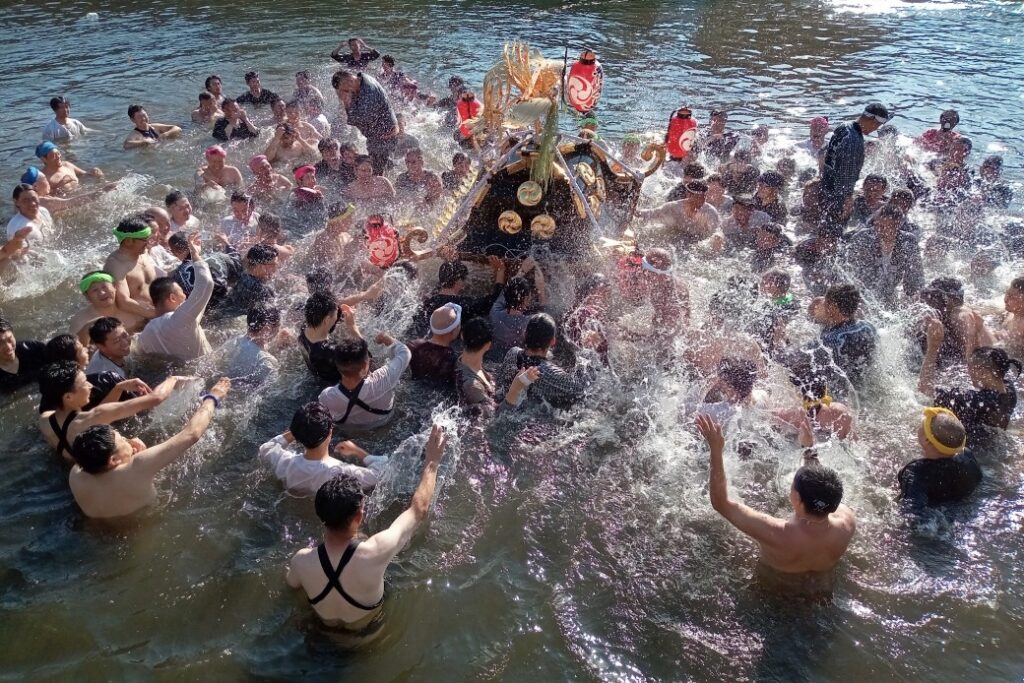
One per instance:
(580, 549)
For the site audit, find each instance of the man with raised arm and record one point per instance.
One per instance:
(114, 476)
(813, 538)
(343, 577)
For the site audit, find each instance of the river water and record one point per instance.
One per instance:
(583, 550)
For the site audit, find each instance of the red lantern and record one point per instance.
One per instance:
(681, 134)
(583, 85)
(469, 108)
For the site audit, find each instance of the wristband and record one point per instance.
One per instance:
(524, 380)
(216, 401)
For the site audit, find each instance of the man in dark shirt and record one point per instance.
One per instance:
(368, 110)
(235, 124)
(844, 156)
(321, 313)
(332, 170)
(359, 57)
(252, 288)
(20, 361)
(882, 257)
(433, 358)
(257, 94)
(947, 472)
(451, 280)
(851, 341)
(818, 258)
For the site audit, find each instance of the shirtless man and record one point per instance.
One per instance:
(146, 133)
(293, 116)
(690, 219)
(207, 111)
(98, 289)
(1012, 333)
(334, 247)
(113, 476)
(217, 173)
(343, 578)
(215, 87)
(287, 147)
(62, 175)
(812, 539)
(132, 267)
(268, 182)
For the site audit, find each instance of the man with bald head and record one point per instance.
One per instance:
(433, 358)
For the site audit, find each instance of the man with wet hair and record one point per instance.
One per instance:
(257, 95)
(113, 344)
(234, 124)
(343, 577)
(452, 277)
(369, 111)
(20, 361)
(63, 128)
(946, 472)
(113, 476)
(359, 54)
(812, 539)
(246, 359)
(145, 132)
(852, 341)
(304, 473)
(252, 288)
(364, 399)
(884, 258)
(688, 219)
(132, 267)
(433, 359)
(555, 385)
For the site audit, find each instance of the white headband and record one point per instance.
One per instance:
(454, 326)
(650, 268)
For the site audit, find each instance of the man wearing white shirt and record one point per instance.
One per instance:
(179, 208)
(30, 214)
(177, 330)
(63, 128)
(364, 399)
(113, 344)
(240, 227)
(304, 473)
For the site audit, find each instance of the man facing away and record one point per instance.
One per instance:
(343, 578)
(114, 476)
(812, 539)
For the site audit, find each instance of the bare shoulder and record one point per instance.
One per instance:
(117, 266)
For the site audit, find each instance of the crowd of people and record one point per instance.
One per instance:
(810, 238)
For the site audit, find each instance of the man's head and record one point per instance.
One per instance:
(819, 127)
(694, 171)
(216, 156)
(268, 227)
(949, 119)
(138, 116)
(133, 234)
(252, 79)
(330, 150)
(414, 160)
(696, 193)
(110, 338)
(446, 324)
(771, 237)
(736, 377)
(991, 168)
(541, 332)
(460, 163)
(943, 293)
(242, 206)
(262, 323)
(178, 245)
(261, 261)
(279, 109)
(345, 83)
(339, 503)
(312, 425)
(8, 342)
(62, 384)
(98, 288)
(166, 294)
(67, 347)
(319, 280)
(718, 120)
(903, 200)
(26, 200)
(213, 85)
(518, 294)
(817, 491)
(960, 149)
(452, 276)
(660, 260)
(742, 208)
(769, 184)
(305, 176)
(352, 358)
(776, 283)
(388, 63)
(230, 108)
(178, 206)
(48, 152)
(1013, 299)
(321, 309)
(873, 117)
(941, 434)
(61, 106)
(887, 222)
(207, 102)
(100, 448)
(477, 335)
(260, 166)
(875, 186)
(839, 304)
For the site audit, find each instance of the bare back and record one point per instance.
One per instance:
(809, 546)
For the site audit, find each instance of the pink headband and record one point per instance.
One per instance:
(257, 161)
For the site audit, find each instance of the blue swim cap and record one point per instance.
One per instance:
(31, 176)
(45, 148)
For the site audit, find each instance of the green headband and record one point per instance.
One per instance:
(590, 120)
(632, 137)
(92, 278)
(137, 235)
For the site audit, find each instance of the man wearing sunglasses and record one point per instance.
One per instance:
(844, 156)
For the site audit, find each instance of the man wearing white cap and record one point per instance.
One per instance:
(433, 359)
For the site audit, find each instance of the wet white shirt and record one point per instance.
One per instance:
(42, 226)
(304, 477)
(56, 131)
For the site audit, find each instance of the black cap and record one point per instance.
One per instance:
(261, 254)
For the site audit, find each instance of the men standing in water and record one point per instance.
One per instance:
(146, 133)
(844, 156)
(257, 95)
(813, 538)
(63, 128)
(235, 124)
(352, 598)
(946, 472)
(62, 175)
(98, 289)
(113, 476)
(368, 109)
(359, 57)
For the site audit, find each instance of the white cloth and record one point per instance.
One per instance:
(303, 476)
(100, 363)
(322, 125)
(378, 392)
(55, 131)
(163, 259)
(42, 226)
(248, 363)
(757, 219)
(180, 334)
(191, 225)
(236, 230)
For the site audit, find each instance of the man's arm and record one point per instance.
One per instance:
(292, 575)
(166, 130)
(135, 141)
(106, 413)
(759, 526)
(386, 544)
(386, 378)
(195, 305)
(123, 297)
(152, 460)
(934, 334)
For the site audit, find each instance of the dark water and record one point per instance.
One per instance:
(578, 551)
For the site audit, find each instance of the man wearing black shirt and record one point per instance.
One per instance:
(234, 125)
(359, 57)
(451, 279)
(20, 362)
(252, 288)
(368, 110)
(257, 95)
